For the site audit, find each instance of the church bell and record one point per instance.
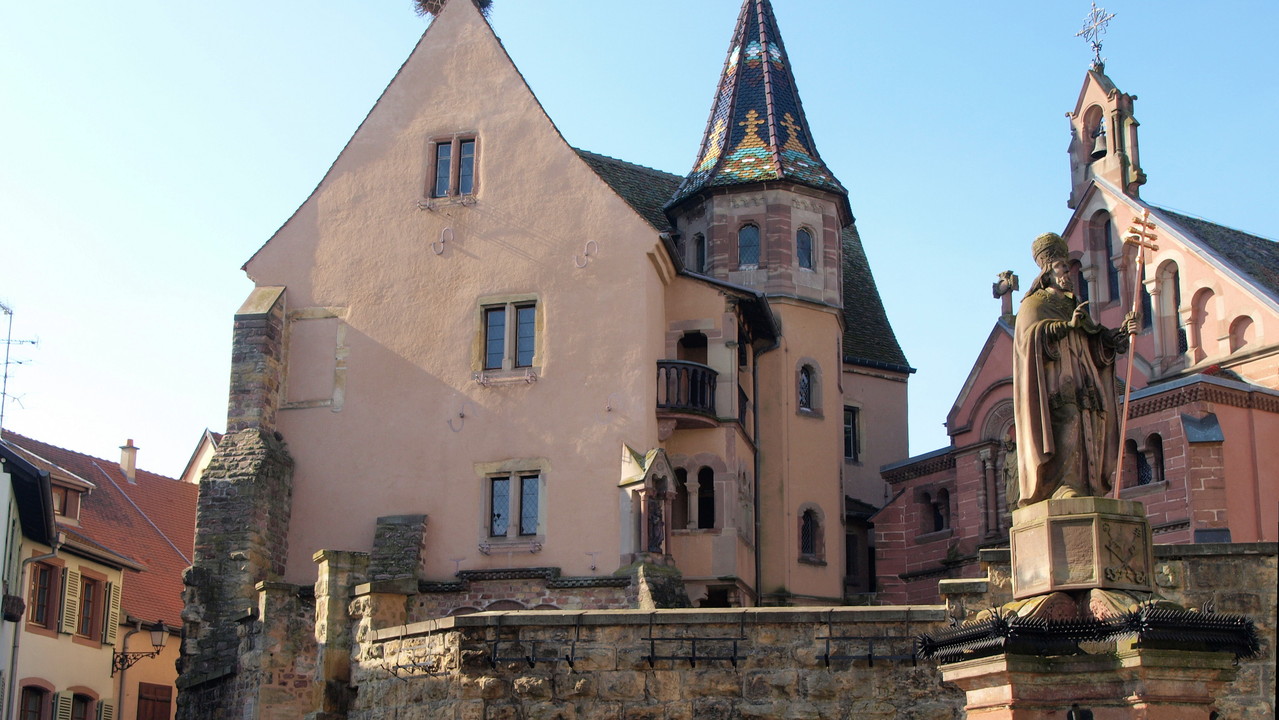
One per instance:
(1098, 146)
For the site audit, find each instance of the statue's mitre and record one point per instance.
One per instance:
(1049, 248)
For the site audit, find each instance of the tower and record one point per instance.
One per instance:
(761, 209)
(1103, 138)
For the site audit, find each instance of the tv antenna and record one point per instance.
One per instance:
(9, 342)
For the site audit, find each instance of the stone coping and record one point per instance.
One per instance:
(1202, 549)
(603, 618)
(1003, 556)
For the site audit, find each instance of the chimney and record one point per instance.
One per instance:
(129, 460)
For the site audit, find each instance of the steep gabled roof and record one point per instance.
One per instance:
(1254, 257)
(757, 129)
(868, 336)
(646, 190)
(149, 523)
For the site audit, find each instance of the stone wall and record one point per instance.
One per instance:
(241, 540)
(666, 664)
(1227, 578)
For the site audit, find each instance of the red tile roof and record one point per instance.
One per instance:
(150, 521)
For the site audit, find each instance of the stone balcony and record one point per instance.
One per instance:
(686, 394)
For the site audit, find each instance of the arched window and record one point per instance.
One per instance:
(1147, 309)
(1240, 333)
(699, 253)
(679, 509)
(804, 248)
(811, 540)
(1132, 464)
(805, 388)
(1155, 457)
(1080, 282)
(706, 498)
(941, 510)
(1171, 335)
(1101, 243)
(748, 246)
(1204, 337)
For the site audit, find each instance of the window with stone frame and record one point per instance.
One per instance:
(453, 167)
(699, 253)
(808, 389)
(812, 543)
(748, 247)
(510, 335)
(515, 505)
(852, 439)
(804, 248)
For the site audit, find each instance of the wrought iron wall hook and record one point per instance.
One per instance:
(592, 248)
(461, 417)
(446, 236)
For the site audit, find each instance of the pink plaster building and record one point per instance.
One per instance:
(1202, 441)
(506, 373)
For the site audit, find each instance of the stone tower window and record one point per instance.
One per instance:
(748, 246)
(804, 248)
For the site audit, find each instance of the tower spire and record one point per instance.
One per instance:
(757, 130)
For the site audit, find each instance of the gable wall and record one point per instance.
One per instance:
(395, 322)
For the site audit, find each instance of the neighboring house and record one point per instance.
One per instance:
(126, 537)
(201, 456)
(1204, 414)
(27, 499)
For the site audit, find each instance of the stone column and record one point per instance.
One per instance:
(992, 493)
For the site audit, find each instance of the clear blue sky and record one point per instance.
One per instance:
(149, 147)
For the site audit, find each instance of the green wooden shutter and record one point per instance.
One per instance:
(106, 710)
(70, 602)
(112, 614)
(62, 704)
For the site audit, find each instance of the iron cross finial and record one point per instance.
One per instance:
(1095, 23)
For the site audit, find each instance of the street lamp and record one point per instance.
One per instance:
(124, 660)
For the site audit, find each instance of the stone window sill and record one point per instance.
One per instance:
(934, 536)
(812, 560)
(1143, 490)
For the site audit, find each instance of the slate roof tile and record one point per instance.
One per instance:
(1254, 257)
(646, 190)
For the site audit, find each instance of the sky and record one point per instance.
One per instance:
(149, 147)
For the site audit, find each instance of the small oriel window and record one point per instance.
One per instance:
(804, 248)
(454, 168)
(748, 246)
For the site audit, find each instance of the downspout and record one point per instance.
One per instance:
(759, 522)
(17, 629)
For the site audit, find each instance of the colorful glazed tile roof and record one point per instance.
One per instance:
(757, 130)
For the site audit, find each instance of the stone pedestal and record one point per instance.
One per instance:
(1130, 684)
(1081, 543)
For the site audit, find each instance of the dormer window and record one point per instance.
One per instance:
(454, 167)
(66, 503)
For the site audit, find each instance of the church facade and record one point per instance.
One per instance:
(484, 370)
(1204, 406)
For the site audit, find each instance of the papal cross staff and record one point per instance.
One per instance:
(1141, 234)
